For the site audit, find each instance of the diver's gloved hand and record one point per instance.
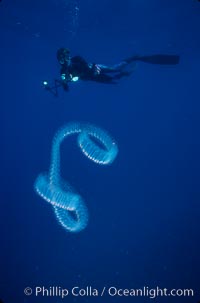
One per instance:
(66, 77)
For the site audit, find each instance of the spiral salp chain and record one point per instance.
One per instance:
(69, 207)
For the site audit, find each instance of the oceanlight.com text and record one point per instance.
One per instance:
(152, 293)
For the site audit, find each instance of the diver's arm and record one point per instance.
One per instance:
(65, 85)
(61, 83)
(65, 78)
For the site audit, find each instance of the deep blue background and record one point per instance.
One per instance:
(144, 208)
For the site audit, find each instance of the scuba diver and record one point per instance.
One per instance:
(77, 68)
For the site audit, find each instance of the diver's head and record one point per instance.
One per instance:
(63, 56)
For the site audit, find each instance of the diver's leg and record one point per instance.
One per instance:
(112, 69)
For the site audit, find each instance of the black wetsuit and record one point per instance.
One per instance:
(94, 72)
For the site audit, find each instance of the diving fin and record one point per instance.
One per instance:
(156, 59)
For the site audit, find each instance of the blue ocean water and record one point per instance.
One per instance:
(143, 228)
